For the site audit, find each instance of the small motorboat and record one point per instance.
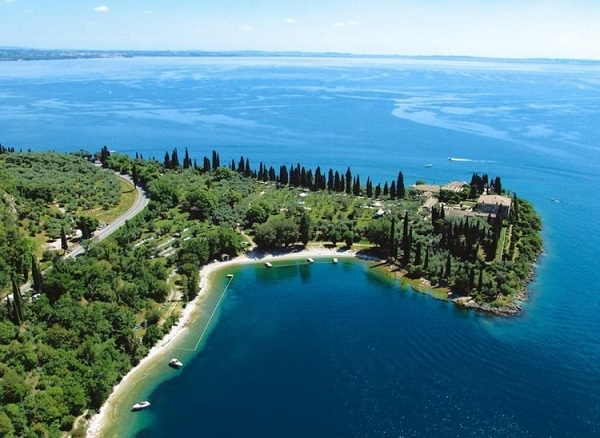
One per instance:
(175, 363)
(268, 265)
(140, 405)
(309, 260)
(335, 260)
(229, 275)
(429, 165)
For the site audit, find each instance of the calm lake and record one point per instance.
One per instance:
(334, 350)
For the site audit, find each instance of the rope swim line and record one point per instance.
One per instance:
(114, 415)
(225, 293)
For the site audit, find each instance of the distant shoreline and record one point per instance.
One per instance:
(35, 54)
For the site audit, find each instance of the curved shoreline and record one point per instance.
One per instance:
(100, 420)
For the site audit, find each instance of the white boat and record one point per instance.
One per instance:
(335, 260)
(175, 363)
(268, 265)
(229, 275)
(309, 260)
(429, 165)
(140, 405)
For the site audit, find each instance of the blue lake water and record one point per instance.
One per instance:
(320, 352)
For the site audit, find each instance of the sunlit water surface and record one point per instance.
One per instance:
(334, 350)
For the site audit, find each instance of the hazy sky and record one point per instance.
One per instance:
(515, 28)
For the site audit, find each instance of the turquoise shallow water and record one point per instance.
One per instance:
(342, 353)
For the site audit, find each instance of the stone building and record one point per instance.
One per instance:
(494, 204)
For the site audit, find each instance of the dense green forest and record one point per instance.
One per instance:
(88, 320)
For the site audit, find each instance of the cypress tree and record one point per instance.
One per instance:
(187, 162)
(63, 239)
(283, 175)
(369, 188)
(242, 165)
(206, 164)
(216, 160)
(426, 264)
(418, 259)
(310, 184)
(317, 182)
(167, 161)
(104, 154)
(405, 241)
(393, 245)
(330, 180)
(378, 191)
(135, 175)
(498, 186)
(393, 190)
(174, 159)
(247, 168)
(400, 190)
(36, 275)
(448, 271)
(356, 188)
(386, 190)
(348, 181)
(17, 303)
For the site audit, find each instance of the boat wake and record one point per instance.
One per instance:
(469, 160)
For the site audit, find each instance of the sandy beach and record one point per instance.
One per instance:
(102, 418)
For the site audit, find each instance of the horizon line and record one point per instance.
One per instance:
(296, 53)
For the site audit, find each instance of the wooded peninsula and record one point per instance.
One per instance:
(71, 327)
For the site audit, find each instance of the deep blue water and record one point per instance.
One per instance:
(347, 355)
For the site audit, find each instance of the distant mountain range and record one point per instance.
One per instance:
(29, 54)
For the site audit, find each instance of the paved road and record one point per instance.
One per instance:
(140, 203)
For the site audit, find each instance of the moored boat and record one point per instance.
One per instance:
(175, 363)
(229, 275)
(309, 260)
(268, 265)
(335, 260)
(140, 405)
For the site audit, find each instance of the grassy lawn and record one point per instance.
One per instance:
(128, 196)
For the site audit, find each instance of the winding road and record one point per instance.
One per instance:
(139, 204)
